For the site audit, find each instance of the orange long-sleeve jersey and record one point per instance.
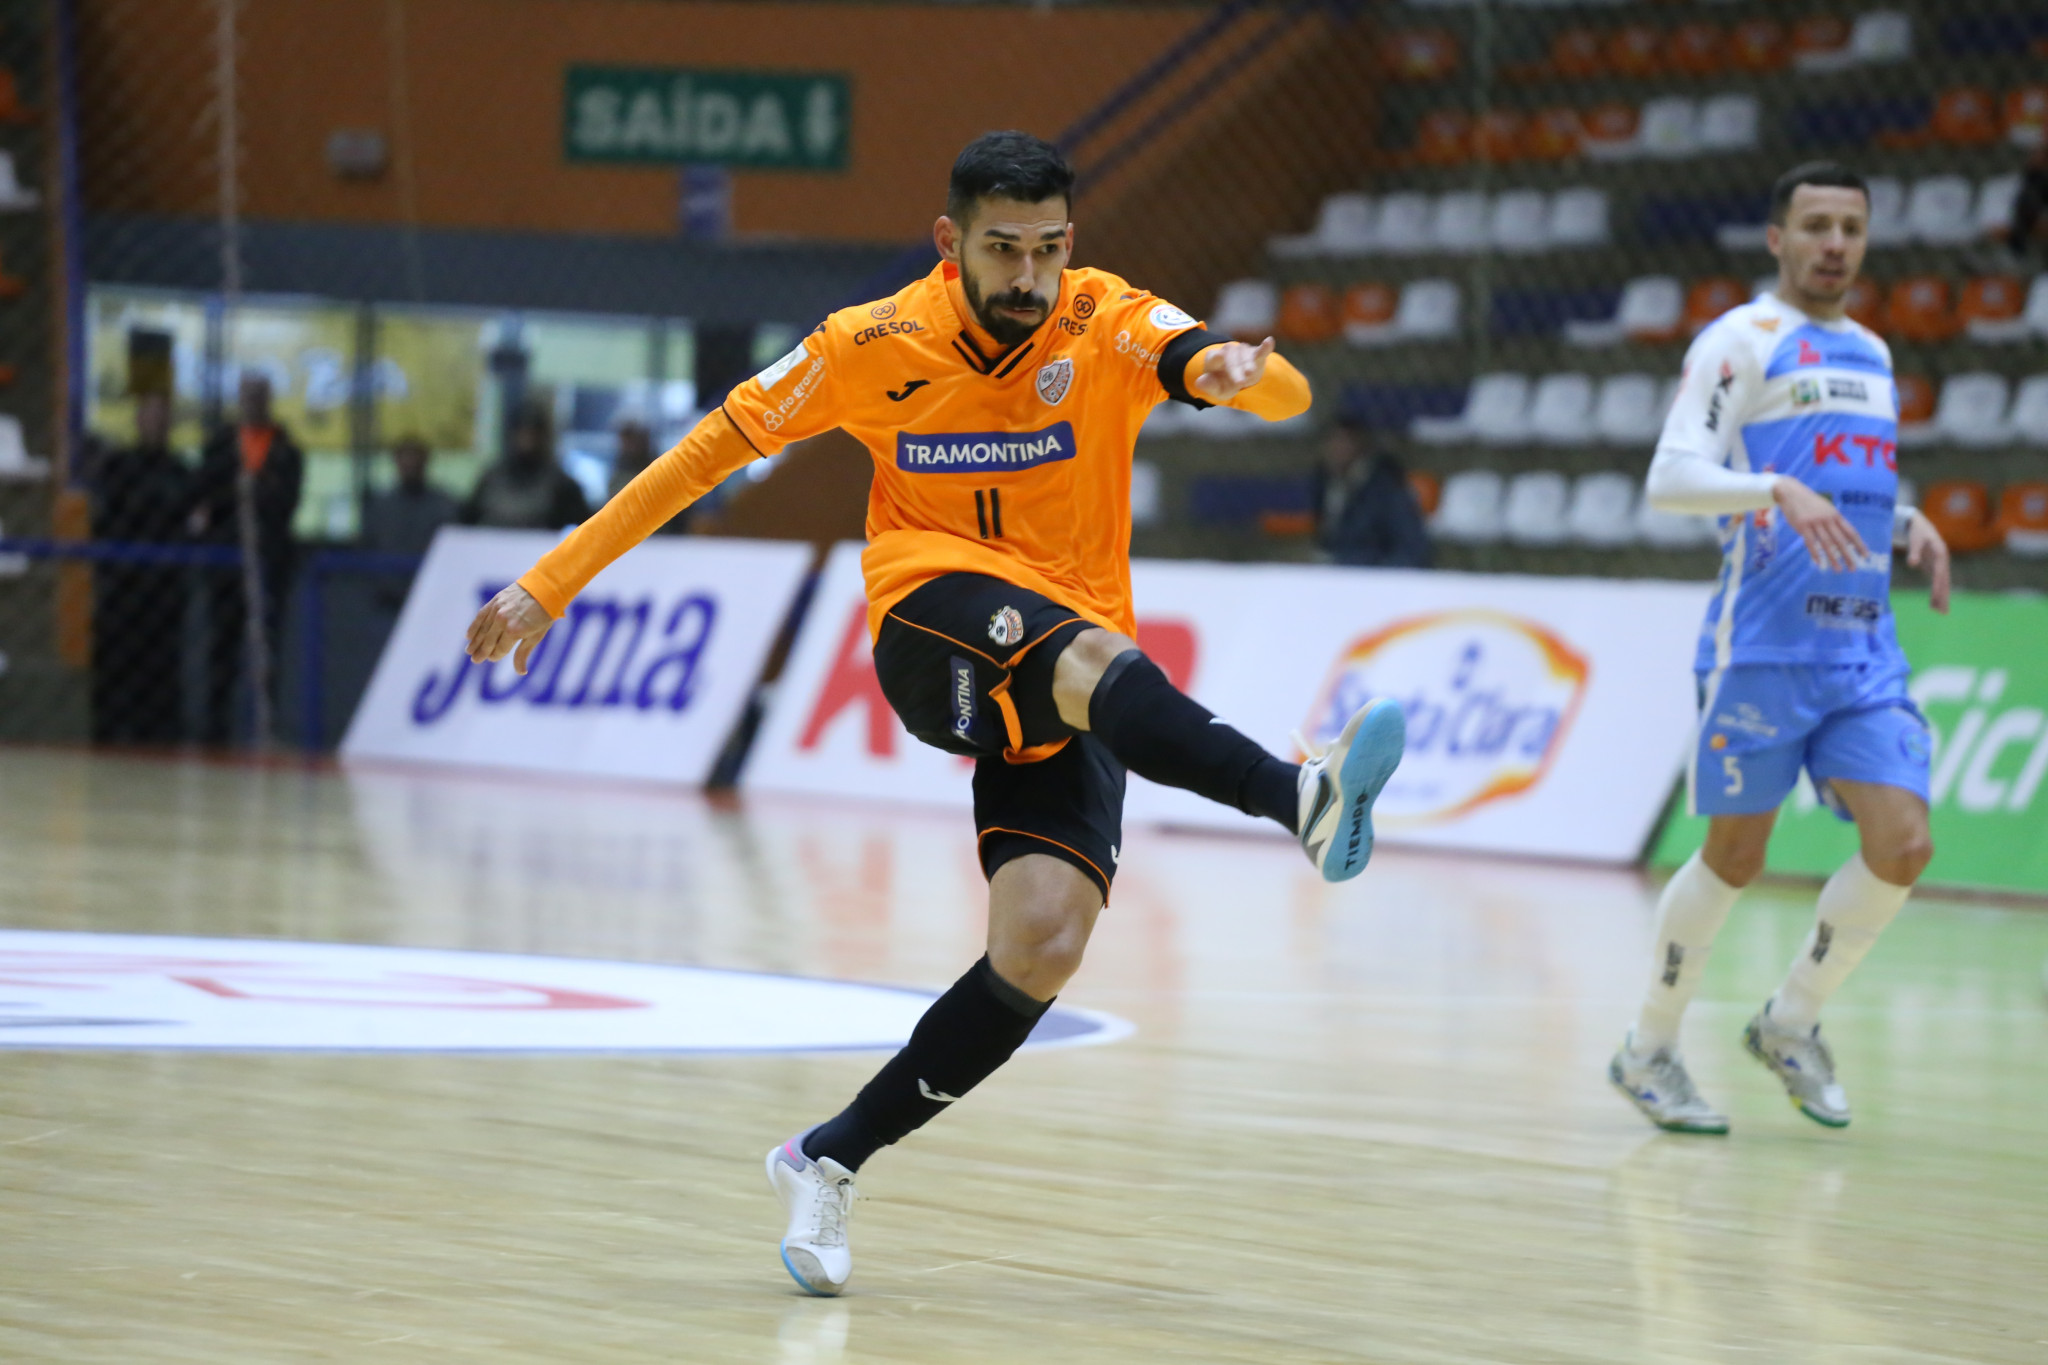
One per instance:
(1016, 465)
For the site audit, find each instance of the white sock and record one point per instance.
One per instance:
(1694, 906)
(1855, 906)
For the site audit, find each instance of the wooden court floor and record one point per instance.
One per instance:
(1365, 1123)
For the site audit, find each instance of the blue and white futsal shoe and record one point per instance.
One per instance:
(818, 1195)
(1805, 1066)
(1660, 1086)
(1338, 786)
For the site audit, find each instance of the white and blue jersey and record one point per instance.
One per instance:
(1799, 664)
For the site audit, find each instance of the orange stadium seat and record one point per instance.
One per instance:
(1612, 125)
(12, 110)
(1497, 137)
(1422, 54)
(1916, 399)
(1757, 45)
(1865, 303)
(1696, 50)
(1551, 134)
(1370, 304)
(1961, 510)
(2026, 115)
(1635, 50)
(1820, 35)
(1287, 525)
(1308, 312)
(1428, 490)
(2023, 518)
(1966, 116)
(1991, 298)
(1576, 52)
(1444, 138)
(1918, 308)
(1711, 297)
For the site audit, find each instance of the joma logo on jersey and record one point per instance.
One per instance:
(977, 452)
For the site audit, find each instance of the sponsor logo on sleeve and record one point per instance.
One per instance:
(1168, 318)
(793, 402)
(1055, 378)
(981, 452)
(1720, 392)
(773, 375)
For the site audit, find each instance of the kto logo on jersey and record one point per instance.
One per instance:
(1488, 698)
(1055, 378)
(977, 452)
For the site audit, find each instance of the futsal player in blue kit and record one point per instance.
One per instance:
(1786, 428)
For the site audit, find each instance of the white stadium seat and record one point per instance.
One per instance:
(1459, 222)
(1470, 508)
(1996, 198)
(1520, 221)
(1888, 211)
(1939, 211)
(1246, 308)
(1403, 223)
(1971, 409)
(1222, 424)
(1672, 530)
(1883, 35)
(1627, 413)
(1650, 306)
(2032, 321)
(1561, 411)
(1495, 404)
(1670, 127)
(1345, 226)
(1728, 123)
(1428, 310)
(2029, 421)
(1167, 419)
(1535, 510)
(1603, 510)
(1578, 217)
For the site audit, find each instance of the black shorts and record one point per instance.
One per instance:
(966, 661)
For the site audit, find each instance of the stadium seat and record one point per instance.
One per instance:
(1344, 227)
(1602, 510)
(12, 108)
(1696, 50)
(2026, 116)
(1561, 410)
(1519, 221)
(1246, 309)
(1650, 309)
(1627, 413)
(1916, 400)
(1670, 127)
(1990, 305)
(1308, 313)
(1971, 409)
(1458, 222)
(1168, 419)
(1938, 213)
(1864, 302)
(1757, 45)
(1444, 138)
(2023, 518)
(1711, 297)
(1672, 530)
(1888, 211)
(1634, 50)
(1608, 132)
(1728, 123)
(1534, 513)
(1470, 510)
(2030, 321)
(1428, 311)
(1404, 222)
(1961, 510)
(1498, 136)
(2029, 420)
(1428, 490)
(1423, 54)
(1222, 424)
(1996, 199)
(1881, 36)
(1578, 217)
(1576, 53)
(1552, 134)
(1966, 116)
(1496, 407)
(1918, 308)
(1820, 42)
(1369, 313)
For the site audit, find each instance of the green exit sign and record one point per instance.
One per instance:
(780, 121)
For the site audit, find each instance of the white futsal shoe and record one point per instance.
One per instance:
(1662, 1088)
(818, 1195)
(1337, 787)
(1802, 1061)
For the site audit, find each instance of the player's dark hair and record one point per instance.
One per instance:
(1009, 165)
(1826, 174)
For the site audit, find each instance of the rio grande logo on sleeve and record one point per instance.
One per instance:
(1006, 627)
(1055, 378)
(1488, 698)
(1168, 318)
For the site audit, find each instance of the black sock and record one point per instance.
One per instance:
(967, 1033)
(1161, 733)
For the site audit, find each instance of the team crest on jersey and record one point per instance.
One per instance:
(1006, 627)
(1055, 377)
(1168, 318)
(1805, 393)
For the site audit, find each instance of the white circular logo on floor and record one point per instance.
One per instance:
(137, 991)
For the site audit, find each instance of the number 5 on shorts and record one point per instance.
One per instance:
(1733, 767)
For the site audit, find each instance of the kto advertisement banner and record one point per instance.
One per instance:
(1980, 675)
(1545, 716)
(643, 678)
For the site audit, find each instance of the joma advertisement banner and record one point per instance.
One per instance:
(1980, 675)
(643, 678)
(1545, 716)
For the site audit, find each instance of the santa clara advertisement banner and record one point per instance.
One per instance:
(1545, 716)
(644, 677)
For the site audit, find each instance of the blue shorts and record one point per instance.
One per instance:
(1761, 723)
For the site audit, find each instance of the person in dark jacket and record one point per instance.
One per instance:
(141, 495)
(1365, 511)
(402, 519)
(528, 489)
(254, 464)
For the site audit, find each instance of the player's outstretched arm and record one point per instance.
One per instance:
(1830, 539)
(1252, 378)
(1925, 549)
(514, 621)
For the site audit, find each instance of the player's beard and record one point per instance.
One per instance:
(1007, 331)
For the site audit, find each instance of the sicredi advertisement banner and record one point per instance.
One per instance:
(1980, 676)
(1546, 716)
(644, 676)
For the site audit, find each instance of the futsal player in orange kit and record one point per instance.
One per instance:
(1000, 397)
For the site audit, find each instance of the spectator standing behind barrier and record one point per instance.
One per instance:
(528, 489)
(254, 459)
(402, 519)
(142, 495)
(636, 452)
(1365, 511)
